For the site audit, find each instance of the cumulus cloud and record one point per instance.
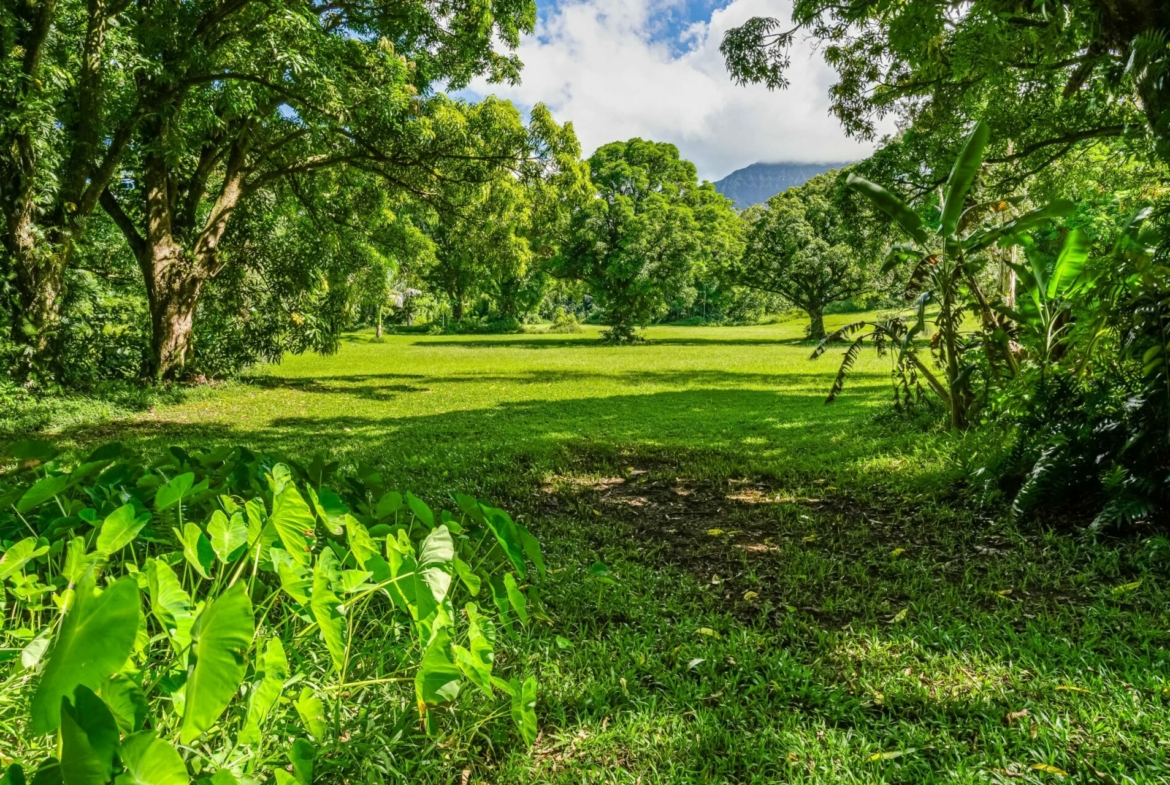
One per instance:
(616, 71)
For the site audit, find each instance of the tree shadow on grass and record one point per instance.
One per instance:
(591, 342)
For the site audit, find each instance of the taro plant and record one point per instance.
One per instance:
(219, 614)
(946, 255)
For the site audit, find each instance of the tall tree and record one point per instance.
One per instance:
(243, 94)
(798, 246)
(66, 115)
(1045, 77)
(637, 244)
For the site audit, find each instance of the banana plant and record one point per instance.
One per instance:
(1043, 314)
(946, 254)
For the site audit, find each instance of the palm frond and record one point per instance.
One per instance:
(847, 363)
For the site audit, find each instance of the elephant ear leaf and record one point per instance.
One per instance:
(89, 739)
(892, 206)
(95, 640)
(150, 761)
(962, 177)
(524, 708)
(220, 641)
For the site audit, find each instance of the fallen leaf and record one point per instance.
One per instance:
(1016, 715)
(1004, 592)
(1067, 688)
(897, 552)
(899, 616)
(889, 755)
(1049, 769)
(707, 631)
(748, 596)
(714, 532)
(793, 757)
(1127, 587)
(811, 538)
(696, 662)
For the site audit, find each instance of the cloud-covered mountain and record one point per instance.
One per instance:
(758, 183)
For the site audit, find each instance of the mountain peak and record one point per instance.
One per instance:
(759, 182)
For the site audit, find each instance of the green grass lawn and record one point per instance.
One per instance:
(803, 593)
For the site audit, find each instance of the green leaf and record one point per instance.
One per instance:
(127, 702)
(476, 661)
(469, 578)
(95, 641)
(301, 757)
(500, 524)
(119, 529)
(197, 549)
(330, 508)
(312, 713)
(432, 579)
(438, 679)
(151, 761)
(294, 523)
(963, 174)
(420, 509)
(524, 708)
(360, 542)
(325, 605)
(170, 604)
(18, 555)
(42, 491)
(89, 739)
(531, 548)
(174, 491)
(892, 206)
(1049, 212)
(221, 638)
(388, 505)
(1070, 264)
(13, 775)
(516, 598)
(273, 673)
(294, 578)
(229, 536)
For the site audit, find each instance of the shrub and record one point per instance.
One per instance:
(257, 576)
(565, 322)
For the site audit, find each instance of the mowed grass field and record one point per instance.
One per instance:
(800, 592)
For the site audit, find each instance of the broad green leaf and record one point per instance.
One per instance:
(501, 601)
(13, 775)
(119, 529)
(18, 555)
(892, 206)
(516, 598)
(95, 641)
(229, 536)
(360, 542)
(963, 174)
(170, 603)
(420, 510)
(476, 660)
(469, 578)
(127, 702)
(438, 679)
(294, 523)
(221, 638)
(151, 761)
(524, 708)
(1070, 264)
(312, 713)
(433, 576)
(330, 508)
(325, 605)
(197, 549)
(273, 673)
(1030, 220)
(355, 581)
(41, 491)
(225, 777)
(531, 548)
(174, 491)
(389, 504)
(48, 773)
(294, 578)
(257, 517)
(301, 757)
(501, 526)
(89, 739)
(77, 561)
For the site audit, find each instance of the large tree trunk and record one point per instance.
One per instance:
(38, 281)
(173, 287)
(816, 327)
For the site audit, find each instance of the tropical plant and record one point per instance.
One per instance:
(220, 613)
(947, 257)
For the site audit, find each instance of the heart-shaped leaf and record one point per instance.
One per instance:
(220, 638)
(151, 761)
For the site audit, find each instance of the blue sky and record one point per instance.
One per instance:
(652, 68)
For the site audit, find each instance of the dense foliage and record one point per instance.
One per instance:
(228, 599)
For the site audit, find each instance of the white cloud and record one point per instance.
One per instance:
(600, 64)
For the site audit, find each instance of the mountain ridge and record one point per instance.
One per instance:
(759, 182)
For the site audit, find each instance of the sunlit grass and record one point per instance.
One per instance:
(804, 593)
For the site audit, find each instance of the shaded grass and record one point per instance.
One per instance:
(803, 595)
